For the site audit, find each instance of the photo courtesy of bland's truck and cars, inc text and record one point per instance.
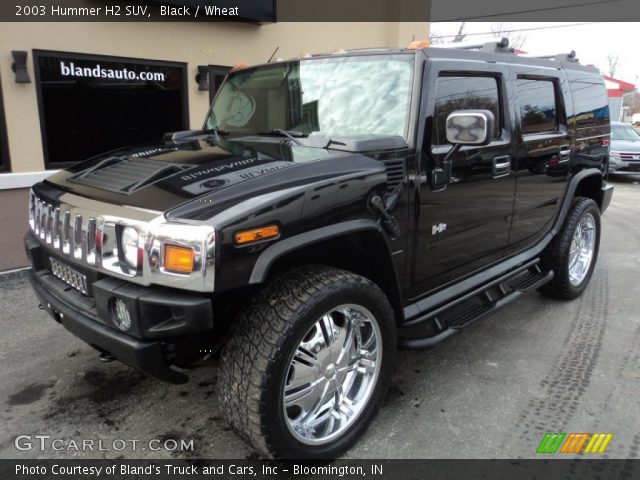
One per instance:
(263, 240)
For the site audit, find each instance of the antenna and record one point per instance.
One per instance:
(273, 54)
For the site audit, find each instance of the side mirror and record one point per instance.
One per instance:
(463, 127)
(470, 127)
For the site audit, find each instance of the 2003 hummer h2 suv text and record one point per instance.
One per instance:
(331, 209)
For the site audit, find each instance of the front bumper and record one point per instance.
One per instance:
(159, 316)
(617, 165)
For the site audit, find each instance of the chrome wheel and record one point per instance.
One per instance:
(582, 249)
(332, 374)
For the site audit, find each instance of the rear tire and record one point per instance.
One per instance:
(290, 387)
(573, 253)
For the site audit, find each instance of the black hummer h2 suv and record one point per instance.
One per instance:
(331, 209)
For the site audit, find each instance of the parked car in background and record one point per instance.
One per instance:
(624, 154)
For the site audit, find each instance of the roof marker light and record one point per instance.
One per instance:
(418, 44)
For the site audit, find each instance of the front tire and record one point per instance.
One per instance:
(573, 253)
(308, 363)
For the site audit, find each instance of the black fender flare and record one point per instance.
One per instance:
(288, 245)
(570, 194)
(274, 252)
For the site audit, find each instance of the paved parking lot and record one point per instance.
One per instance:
(539, 365)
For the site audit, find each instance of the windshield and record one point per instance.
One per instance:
(342, 96)
(623, 132)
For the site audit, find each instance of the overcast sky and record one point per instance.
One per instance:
(592, 42)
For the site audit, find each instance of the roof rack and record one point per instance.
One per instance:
(560, 57)
(500, 46)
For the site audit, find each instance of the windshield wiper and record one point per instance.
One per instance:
(331, 141)
(217, 132)
(290, 134)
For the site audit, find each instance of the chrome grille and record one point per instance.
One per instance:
(69, 276)
(629, 156)
(54, 226)
(85, 232)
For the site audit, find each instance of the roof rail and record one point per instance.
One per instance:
(560, 57)
(502, 46)
(499, 46)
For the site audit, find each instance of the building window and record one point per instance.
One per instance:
(217, 74)
(465, 93)
(4, 143)
(93, 104)
(538, 105)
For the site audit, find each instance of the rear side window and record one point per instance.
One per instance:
(538, 105)
(590, 104)
(465, 93)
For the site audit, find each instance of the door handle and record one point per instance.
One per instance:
(565, 151)
(501, 166)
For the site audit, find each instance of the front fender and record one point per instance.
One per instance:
(318, 208)
(291, 244)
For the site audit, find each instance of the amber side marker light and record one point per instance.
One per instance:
(178, 259)
(256, 234)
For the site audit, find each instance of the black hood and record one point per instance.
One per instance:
(168, 175)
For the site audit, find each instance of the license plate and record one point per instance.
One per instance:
(68, 275)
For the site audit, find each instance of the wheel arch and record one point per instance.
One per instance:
(358, 246)
(591, 187)
(586, 183)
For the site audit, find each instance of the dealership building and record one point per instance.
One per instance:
(69, 91)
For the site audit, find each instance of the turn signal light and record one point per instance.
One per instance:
(178, 259)
(418, 44)
(256, 234)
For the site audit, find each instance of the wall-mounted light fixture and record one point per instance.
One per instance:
(19, 66)
(202, 77)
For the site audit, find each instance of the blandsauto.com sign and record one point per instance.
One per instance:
(70, 69)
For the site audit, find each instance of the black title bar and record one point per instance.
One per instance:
(547, 469)
(267, 11)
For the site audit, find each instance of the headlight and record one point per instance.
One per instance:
(130, 247)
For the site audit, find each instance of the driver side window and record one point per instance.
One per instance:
(464, 93)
